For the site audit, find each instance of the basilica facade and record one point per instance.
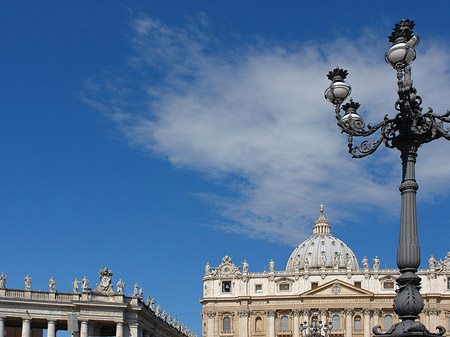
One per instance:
(322, 283)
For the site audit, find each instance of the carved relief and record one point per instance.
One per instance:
(226, 269)
(105, 281)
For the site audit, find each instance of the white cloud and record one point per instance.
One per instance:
(258, 113)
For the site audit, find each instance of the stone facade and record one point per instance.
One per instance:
(98, 312)
(322, 282)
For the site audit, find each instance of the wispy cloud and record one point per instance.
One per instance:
(254, 118)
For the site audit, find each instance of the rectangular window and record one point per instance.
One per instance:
(285, 286)
(448, 283)
(388, 285)
(314, 285)
(258, 288)
(358, 284)
(226, 286)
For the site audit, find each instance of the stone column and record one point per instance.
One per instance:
(243, 316)
(26, 327)
(134, 330)
(119, 329)
(323, 316)
(2, 327)
(210, 327)
(348, 323)
(84, 329)
(305, 314)
(376, 317)
(51, 328)
(433, 319)
(296, 326)
(366, 313)
(271, 315)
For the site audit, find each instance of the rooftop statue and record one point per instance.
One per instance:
(365, 263)
(152, 304)
(27, 280)
(376, 263)
(51, 284)
(120, 285)
(2, 281)
(84, 284)
(245, 266)
(75, 285)
(136, 290)
(271, 266)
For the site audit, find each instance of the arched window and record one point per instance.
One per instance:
(258, 324)
(226, 324)
(336, 320)
(387, 322)
(357, 323)
(284, 323)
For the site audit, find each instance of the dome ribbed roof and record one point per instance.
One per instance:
(322, 250)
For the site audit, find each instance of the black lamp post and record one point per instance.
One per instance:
(407, 131)
(315, 329)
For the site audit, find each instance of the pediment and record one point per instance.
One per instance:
(337, 288)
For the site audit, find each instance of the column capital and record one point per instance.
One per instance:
(243, 313)
(296, 312)
(323, 312)
(305, 312)
(367, 311)
(376, 312)
(210, 314)
(270, 313)
(349, 312)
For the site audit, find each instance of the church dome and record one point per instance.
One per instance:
(322, 251)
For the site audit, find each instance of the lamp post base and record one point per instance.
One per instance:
(408, 328)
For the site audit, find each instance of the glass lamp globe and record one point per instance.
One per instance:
(400, 53)
(338, 91)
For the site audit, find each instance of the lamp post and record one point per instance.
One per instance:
(315, 328)
(407, 131)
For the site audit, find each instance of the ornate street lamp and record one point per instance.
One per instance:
(315, 328)
(407, 131)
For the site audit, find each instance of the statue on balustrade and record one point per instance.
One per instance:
(271, 266)
(84, 284)
(376, 263)
(27, 280)
(365, 263)
(152, 304)
(2, 281)
(51, 284)
(245, 266)
(120, 286)
(75, 285)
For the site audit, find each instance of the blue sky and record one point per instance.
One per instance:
(153, 137)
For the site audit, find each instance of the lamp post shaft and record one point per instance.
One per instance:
(408, 302)
(408, 253)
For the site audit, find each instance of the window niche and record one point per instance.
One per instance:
(226, 286)
(284, 286)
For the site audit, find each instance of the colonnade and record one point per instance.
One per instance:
(134, 331)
